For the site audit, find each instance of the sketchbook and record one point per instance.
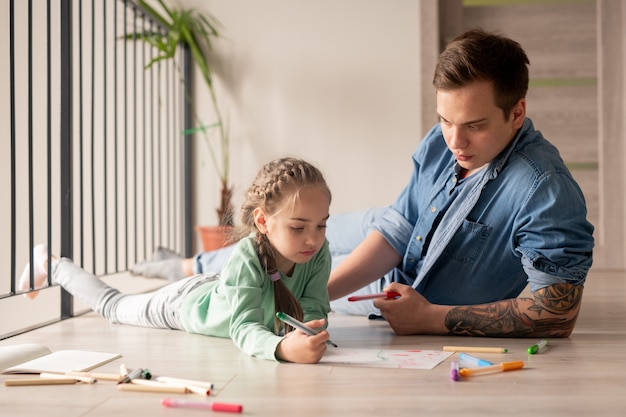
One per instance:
(385, 358)
(33, 358)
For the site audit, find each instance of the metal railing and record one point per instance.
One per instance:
(93, 158)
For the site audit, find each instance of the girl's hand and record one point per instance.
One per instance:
(299, 347)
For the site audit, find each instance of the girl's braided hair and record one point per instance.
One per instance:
(277, 187)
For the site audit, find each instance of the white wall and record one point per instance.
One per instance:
(334, 81)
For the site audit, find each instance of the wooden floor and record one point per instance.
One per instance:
(580, 376)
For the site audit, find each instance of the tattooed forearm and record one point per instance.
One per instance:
(552, 311)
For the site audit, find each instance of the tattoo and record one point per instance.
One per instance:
(552, 311)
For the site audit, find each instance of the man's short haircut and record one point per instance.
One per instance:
(477, 55)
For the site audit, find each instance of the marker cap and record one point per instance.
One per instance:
(230, 408)
(510, 366)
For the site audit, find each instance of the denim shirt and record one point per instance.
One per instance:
(521, 221)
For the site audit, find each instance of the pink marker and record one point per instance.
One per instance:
(373, 296)
(226, 407)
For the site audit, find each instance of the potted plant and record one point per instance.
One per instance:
(195, 30)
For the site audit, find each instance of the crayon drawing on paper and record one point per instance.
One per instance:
(385, 358)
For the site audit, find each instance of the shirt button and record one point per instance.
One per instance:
(418, 238)
(433, 209)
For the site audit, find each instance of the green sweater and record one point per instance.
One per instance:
(240, 305)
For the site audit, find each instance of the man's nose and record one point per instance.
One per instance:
(456, 138)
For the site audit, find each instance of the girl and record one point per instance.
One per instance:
(282, 264)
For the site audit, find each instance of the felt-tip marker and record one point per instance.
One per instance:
(389, 295)
(214, 406)
(137, 373)
(501, 367)
(474, 360)
(454, 371)
(538, 346)
(475, 349)
(286, 318)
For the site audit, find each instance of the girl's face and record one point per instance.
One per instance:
(297, 232)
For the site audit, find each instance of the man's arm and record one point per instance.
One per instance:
(550, 312)
(372, 259)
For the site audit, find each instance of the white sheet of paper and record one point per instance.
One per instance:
(385, 358)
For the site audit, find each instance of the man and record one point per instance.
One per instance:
(490, 207)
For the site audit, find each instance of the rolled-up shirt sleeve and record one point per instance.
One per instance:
(394, 228)
(554, 238)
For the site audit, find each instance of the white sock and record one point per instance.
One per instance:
(40, 258)
(162, 254)
(170, 269)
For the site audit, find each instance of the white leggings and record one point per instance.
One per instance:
(158, 309)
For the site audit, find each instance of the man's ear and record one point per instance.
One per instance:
(260, 219)
(519, 113)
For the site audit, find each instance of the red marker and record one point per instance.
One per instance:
(226, 407)
(373, 296)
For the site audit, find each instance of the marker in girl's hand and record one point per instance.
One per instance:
(286, 318)
(387, 295)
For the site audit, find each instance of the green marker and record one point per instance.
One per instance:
(538, 346)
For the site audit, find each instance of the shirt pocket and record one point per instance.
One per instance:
(468, 243)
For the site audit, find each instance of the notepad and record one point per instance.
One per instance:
(33, 358)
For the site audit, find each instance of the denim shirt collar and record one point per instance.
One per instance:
(498, 163)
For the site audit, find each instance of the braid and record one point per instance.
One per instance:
(266, 254)
(276, 183)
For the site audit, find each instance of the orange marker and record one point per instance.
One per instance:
(501, 367)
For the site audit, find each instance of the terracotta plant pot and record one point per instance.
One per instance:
(214, 237)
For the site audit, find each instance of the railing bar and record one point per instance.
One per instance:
(178, 151)
(157, 171)
(49, 129)
(115, 141)
(168, 156)
(135, 135)
(126, 214)
(81, 137)
(31, 204)
(65, 131)
(13, 150)
(144, 149)
(92, 134)
(186, 156)
(105, 214)
(154, 141)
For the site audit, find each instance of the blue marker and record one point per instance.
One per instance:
(475, 361)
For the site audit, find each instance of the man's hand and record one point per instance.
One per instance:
(411, 313)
